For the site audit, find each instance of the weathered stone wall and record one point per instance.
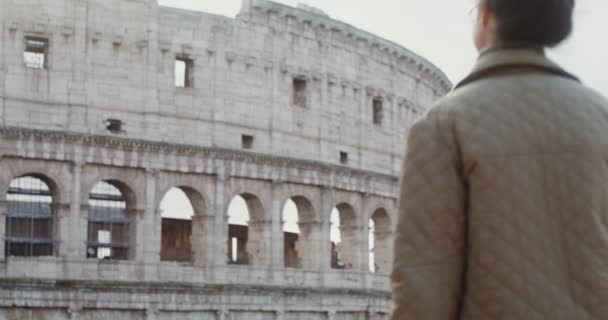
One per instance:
(115, 59)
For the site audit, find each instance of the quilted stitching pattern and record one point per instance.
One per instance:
(523, 159)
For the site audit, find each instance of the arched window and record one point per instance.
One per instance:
(109, 224)
(238, 231)
(343, 235)
(247, 231)
(30, 220)
(336, 239)
(177, 211)
(380, 237)
(291, 232)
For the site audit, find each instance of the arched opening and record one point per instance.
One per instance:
(343, 237)
(30, 218)
(380, 241)
(291, 232)
(298, 230)
(109, 222)
(238, 229)
(245, 241)
(176, 224)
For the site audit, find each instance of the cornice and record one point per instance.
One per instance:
(214, 153)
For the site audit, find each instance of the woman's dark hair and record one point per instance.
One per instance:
(537, 22)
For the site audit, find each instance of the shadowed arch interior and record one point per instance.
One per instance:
(380, 242)
(245, 243)
(299, 230)
(178, 226)
(343, 233)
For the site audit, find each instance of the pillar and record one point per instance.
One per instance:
(76, 247)
(148, 227)
(327, 204)
(218, 244)
(3, 205)
(276, 226)
(62, 238)
(201, 241)
(309, 244)
(259, 245)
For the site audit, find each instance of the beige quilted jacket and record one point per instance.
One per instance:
(504, 201)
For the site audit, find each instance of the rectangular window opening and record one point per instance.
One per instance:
(299, 92)
(377, 110)
(343, 157)
(35, 55)
(247, 141)
(184, 72)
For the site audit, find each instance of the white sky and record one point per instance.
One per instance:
(440, 30)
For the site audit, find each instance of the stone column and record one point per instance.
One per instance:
(218, 244)
(149, 228)
(202, 239)
(364, 234)
(76, 248)
(350, 246)
(61, 230)
(310, 244)
(259, 244)
(327, 204)
(276, 225)
(3, 206)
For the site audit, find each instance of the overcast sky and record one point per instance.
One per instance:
(440, 30)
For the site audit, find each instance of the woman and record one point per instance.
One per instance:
(503, 208)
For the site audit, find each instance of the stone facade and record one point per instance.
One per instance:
(278, 103)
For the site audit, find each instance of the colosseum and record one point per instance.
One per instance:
(108, 105)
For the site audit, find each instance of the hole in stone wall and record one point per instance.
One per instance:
(184, 69)
(299, 92)
(377, 111)
(343, 157)
(114, 126)
(35, 55)
(247, 141)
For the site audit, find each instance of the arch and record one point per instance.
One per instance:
(246, 243)
(30, 216)
(55, 174)
(111, 227)
(176, 226)
(299, 229)
(380, 241)
(130, 182)
(344, 237)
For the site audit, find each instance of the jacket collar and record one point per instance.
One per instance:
(499, 60)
